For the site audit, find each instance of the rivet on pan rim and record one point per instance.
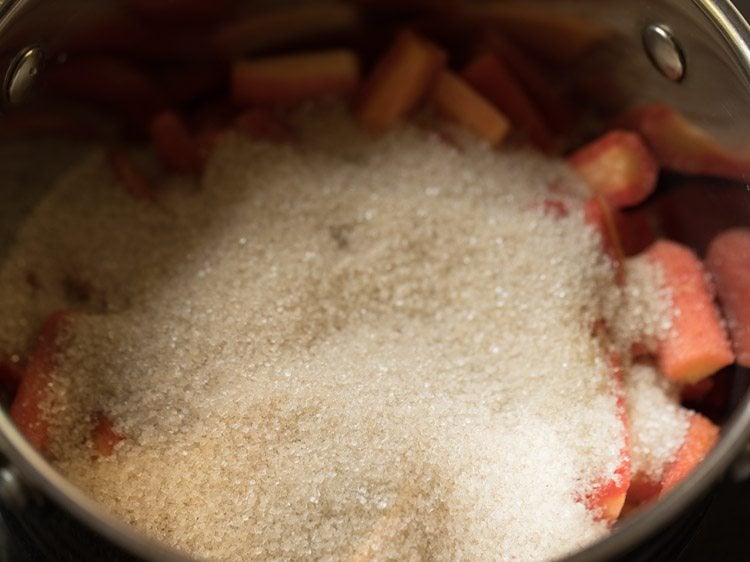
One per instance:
(664, 51)
(22, 74)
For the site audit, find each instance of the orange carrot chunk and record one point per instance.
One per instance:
(492, 78)
(601, 216)
(728, 260)
(681, 146)
(174, 144)
(26, 409)
(399, 81)
(608, 497)
(701, 437)
(456, 100)
(104, 438)
(619, 166)
(291, 79)
(696, 345)
(133, 180)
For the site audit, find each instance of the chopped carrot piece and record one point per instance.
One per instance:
(696, 392)
(291, 79)
(534, 78)
(556, 36)
(728, 261)
(696, 345)
(174, 144)
(263, 30)
(681, 146)
(608, 497)
(400, 80)
(619, 166)
(455, 99)
(601, 216)
(701, 437)
(104, 437)
(636, 230)
(491, 78)
(133, 180)
(113, 81)
(26, 409)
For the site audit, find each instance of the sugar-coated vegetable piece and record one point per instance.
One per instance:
(103, 437)
(701, 437)
(492, 78)
(600, 215)
(681, 146)
(728, 261)
(696, 345)
(455, 99)
(386, 530)
(608, 496)
(291, 79)
(26, 409)
(174, 144)
(133, 180)
(399, 81)
(619, 166)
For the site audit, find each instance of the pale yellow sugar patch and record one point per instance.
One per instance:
(326, 330)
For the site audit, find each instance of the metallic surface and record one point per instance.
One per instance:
(715, 44)
(22, 74)
(664, 51)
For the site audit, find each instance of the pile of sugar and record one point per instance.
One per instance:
(327, 335)
(658, 423)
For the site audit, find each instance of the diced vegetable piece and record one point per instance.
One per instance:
(608, 497)
(535, 79)
(104, 438)
(681, 146)
(491, 78)
(26, 409)
(619, 166)
(265, 29)
(556, 36)
(291, 79)
(696, 392)
(174, 144)
(636, 230)
(133, 180)
(455, 99)
(696, 345)
(599, 214)
(109, 80)
(701, 437)
(728, 260)
(399, 81)
(263, 124)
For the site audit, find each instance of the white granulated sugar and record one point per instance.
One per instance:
(658, 423)
(347, 346)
